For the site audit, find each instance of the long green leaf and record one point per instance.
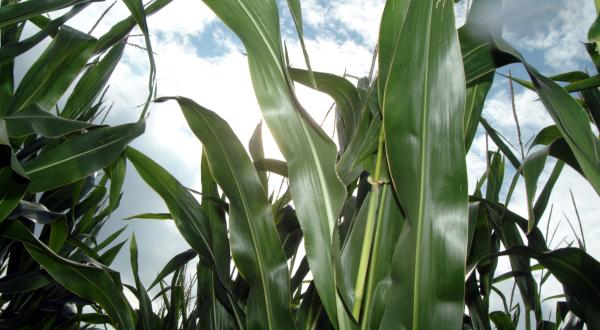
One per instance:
(24, 10)
(80, 156)
(96, 284)
(575, 269)
(34, 119)
(92, 83)
(13, 180)
(24, 282)
(296, 9)
(215, 212)
(389, 225)
(54, 71)
(316, 190)
(363, 144)
(424, 139)
(476, 95)
(151, 216)
(175, 263)
(185, 209)
(11, 50)
(146, 316)
(570, 118)
(8, 35)
(257, 152)
(255, 246)
(533, 165)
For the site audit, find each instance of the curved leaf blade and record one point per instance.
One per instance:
(183, 207)
(80, 156)
(34, 119)
(255, 245)
(96, 284)
(316, 190)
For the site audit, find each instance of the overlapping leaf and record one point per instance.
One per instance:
(423, 123)
(316, 190)
(255, 246)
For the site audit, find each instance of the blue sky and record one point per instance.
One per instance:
(198, 57)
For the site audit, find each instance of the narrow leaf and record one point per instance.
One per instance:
(316, 190)
(80, 156)
(255, 246)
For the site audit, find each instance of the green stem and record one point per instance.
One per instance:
(365, 319)
(369, 230)
(597, 3)
(527, 319)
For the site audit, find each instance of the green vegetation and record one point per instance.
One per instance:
(374, 230)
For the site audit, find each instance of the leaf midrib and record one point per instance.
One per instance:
(79, 155)
(248, 216)
(425, 140)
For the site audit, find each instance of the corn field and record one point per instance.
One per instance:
(374, 228)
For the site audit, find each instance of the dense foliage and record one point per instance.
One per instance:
(374, 230)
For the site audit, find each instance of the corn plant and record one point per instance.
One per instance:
(378, 230)
(55, 167)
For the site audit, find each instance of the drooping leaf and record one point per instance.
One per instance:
(183, 207)
(35, 212)
(255, 147)
(35, 120)
(272, 165)
(94, 283)
(255, 246)
(575, 269)
(494, 135)
(342, 91)
(570, 118)
(175, 263)
(316, 190)
(80, 156)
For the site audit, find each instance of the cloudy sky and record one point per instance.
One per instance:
(198, 57)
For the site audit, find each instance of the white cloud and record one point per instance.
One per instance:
(359, 16)
(183, 17)
(530, 111)
(556, 27)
